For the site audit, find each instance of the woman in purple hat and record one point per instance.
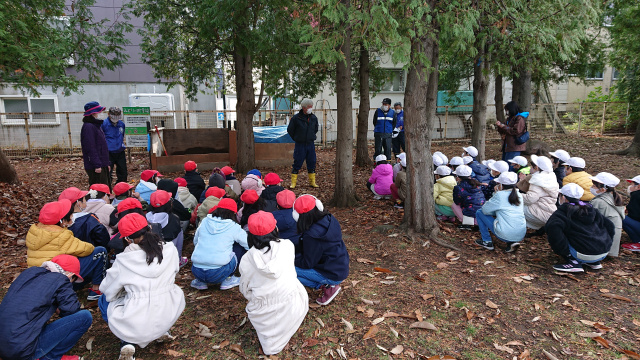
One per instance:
(95, 152)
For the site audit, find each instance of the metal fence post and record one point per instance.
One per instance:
(26, 127)
(324, 127)
(446, 120)
(69, 132)
(259, 118)
(604, 112)
(189, 120)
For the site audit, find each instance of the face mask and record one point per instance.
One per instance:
(115, 118)
(309, 111)
(561, 200)
(594, 191)
(629, 189)
(385, 107)
(99, 116)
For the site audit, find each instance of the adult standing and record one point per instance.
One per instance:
(384, 121)
(513, 128)
(95, 151)
(113, 129)
(303, 128)
(398, 140)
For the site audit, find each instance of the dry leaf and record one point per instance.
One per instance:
(488, 262)
(236, 347)
(370, 302)
(370, 312)
(427, 296)
(470, 314)
(349, 326)
(203, 297)
(224, 344)
(360, 308)
(604, 290)
(472, 261)
(452, 256)
(535, 319)
(617, 297)
(397, 350)
(587, 322)
(549, 355)
(636, 322)
(90, 343)
(174, 353)
(381, 348)
(631, 354)
(342, 353)
(314, 305)
(525, 355)
(387, 282)
(622, 273)
(491, 304)
(377, 321)
(423, 325)
(310, 343)
(441, 357)
(604, 342)
(389, 314)
(203, 330)
(589, 334)
(319, 321)
(503, 348)
(371, 333)
(394, 331)
(419, 315)
(365, 261)
(514, 343)
(382, 270)
(602, 327)
(355, 282)
(442, 265)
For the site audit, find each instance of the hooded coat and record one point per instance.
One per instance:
(144, 300)
(287, 226)
(469, 199)
(207, 204)
(270, 193)
(323, 250)
(509, 224)
(145, 189)
(606, 205)
(195, 184)
(277, 301)
(482, 173)
(401, 183)
(589, 234)
(582, 179)
(103, 211)
(382, 178)
(540, 199)
(44, 242)
(95, 153)
(214, 241)
(186, 198)
(252, 182)
(443, 190)
(88, 228)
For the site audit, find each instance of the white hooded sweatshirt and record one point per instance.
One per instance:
(540, 199)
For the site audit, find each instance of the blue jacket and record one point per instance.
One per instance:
(400, 120)
(510, 224)
(303, 127)
(323, 250)
(384, 123)
(114, 135)
(145, 191)
(470, 199)
(31, 300)
(214, 241)
(287, 226)
(89, 229)
(481, 172)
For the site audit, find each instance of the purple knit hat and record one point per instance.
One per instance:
(92, 108)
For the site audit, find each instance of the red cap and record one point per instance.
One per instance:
(249, 196)
(51, 213)
(226, 203)
(181, 182)
(72, 194)
(131, 223)
(261, 223)
(305, 203)
(227, 170)
(215, 191)
(190, 165)
(286, 198)
(159, 198)
(128, 204)
(69, 263)
(272, 179)
(101, 187)
(121, 188)
(148, 174)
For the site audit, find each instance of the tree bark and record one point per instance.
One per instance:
(362, 145)
(343, 195)
(245, 109)
(7, 171)
(479, 112)
(516, 86)
(632, 150)
(521, 91)
(499, 99)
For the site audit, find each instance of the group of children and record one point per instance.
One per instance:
(126, 244)
(582, 215)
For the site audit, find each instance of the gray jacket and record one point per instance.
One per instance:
(606, 206)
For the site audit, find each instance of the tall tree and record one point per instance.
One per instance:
(362, 143)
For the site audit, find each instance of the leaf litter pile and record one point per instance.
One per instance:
(402, 299)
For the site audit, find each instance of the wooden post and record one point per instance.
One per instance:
(446, 120)
(604, 111)
(188, 121)
(626, 121)
(26, 127)
(553, 121)
(129, 155)
(69, 133)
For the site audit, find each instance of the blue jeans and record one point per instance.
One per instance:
(62, 335)
(574, 253)
(94, 266)
(215, 276)
(632, 228)
(506, 156)
(103, 305)
(485, 224)
(313, 279)
(301, 152)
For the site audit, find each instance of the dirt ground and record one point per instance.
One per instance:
(403, 299)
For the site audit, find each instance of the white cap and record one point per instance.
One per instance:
(634, 180)
(463, 170)
(403, 162)
(437, 160)
(467, 160)
(402, 156)
(443, 170)
(507, 178)
(607, 179)
(560, 154)
(542, 162)
(576, 162)
(443, 157)
(572, 190)
(520, 160)
(499, 166)
(471, 150)
(487, 162)
(456, 160)
(381, 157)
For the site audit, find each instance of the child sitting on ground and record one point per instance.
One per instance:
(520, 166)
(398, 167)
(480, 170)
(98, 204)
(269, 283)
(496, 168)
(574, 168)
(443, 193)
(503, 215)
(231, 180)
(185, 197)
(126, 207)
(467, 197)
(217, 180)
(161, 212)
(610, 205)
(253, 182)
(399, 187)
(287, 226)
(559, 158)
(192, 177)
(141, 301)
(85, 226)
(541, 196)
(220, 244)
(123, 190)
(455, 162)
(381, 179)
(272, 181)
(252, 204)
(213, 196)
(631, 223)
(148, 184)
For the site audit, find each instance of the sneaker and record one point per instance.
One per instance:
(512, 247)
(127, 352)
(398, 206)
(93, 295)
(183, 261)
(197, 284)
(387, 197)
(329, 292)
(631, 246)
(571, 266)
(594, 266)
(485, 244)
(230, 282)
(465, 227)
(377, 197)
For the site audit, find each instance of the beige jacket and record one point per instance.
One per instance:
(542, 195)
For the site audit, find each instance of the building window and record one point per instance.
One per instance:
(615, 75)
(395, 81)
(39, 109)
(595, 75)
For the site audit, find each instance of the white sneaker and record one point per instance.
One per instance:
(230, 282)
(127, 352)
(377, 197)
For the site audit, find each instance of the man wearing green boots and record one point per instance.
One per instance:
(303, 128)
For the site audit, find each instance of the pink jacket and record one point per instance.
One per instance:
(382, 178)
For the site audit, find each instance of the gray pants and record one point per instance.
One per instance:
(382, 140)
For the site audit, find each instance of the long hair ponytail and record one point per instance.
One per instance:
(514, 199)
(151, 243)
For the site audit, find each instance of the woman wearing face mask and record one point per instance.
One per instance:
(303, 128)
(113, 129)
(609, 203)
(540, 198)
(631, 223)
(513, 128)
(95, 151)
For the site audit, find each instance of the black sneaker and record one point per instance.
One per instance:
(571, 266)
(512, 247)
(594, 266)
(465, 227)
(486, 245)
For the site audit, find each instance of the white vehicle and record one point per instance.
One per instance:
(162, 106)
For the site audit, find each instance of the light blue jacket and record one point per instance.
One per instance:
(145, 189)
(214, 242)
(510, 223)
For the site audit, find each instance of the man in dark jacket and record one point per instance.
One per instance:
(384, 121)
(95, 151)
(113, 129)
(302, 128)
(33, 297)
(195, 184)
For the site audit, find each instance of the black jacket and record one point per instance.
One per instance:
(303, 128)
(633, 208)
(269, 194)
(195, 184)
(323, 250)
(560, 174)
(171, 186)
(117, 243)
(590, 234)
(31, 300)
(89, 229)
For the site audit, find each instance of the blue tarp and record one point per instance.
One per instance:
(271, 134)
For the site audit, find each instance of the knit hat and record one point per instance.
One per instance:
(121, 188)
(471, 150)
(227, 170)
(181, 182)
(131, 224)
(190, 165)
(507, 178)
(51, 213)
(304, 204)
(572, 190)
(69, 263)
(381, 157)
(272, 179)
(252, 182)
(285, 199)
(226, 203)
(576, 162)
(72, 194)
(255, 172)
(92, 108)
(443, 170)
(261, 223)
(101, 187)
(249, 196)
(159, 198)
(215, 191)
(466, 160)
(128, 204)
(542, 162)
(217, 180)
(608, 179)
(520, 160)
(463, 170)
(499, 166)
(148, 174)
(560, 154)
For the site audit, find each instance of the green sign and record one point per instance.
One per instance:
(136, 111)
(135, 121)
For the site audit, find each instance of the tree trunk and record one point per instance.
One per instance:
(422, 84)
(525, 93)
(7, 171)
(479, 112)
(632, 150)
(245, 109)
(362, 145)
(344, 195)
(498, 99)
(516, 86)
